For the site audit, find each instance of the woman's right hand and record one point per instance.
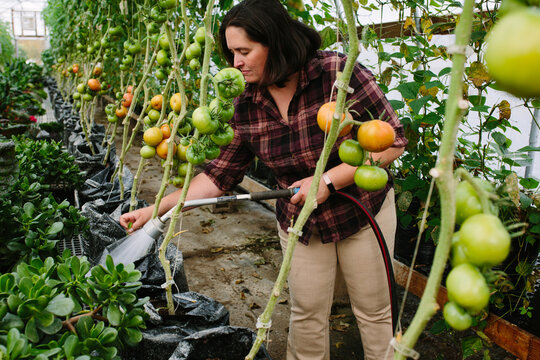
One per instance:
(136, 219)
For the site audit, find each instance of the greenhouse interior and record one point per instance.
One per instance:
(270, 179)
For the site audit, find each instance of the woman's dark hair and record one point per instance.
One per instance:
(290, 43)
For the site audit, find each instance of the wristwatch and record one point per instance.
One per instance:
(328, 183)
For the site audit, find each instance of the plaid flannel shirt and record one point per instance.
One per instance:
(291, 148)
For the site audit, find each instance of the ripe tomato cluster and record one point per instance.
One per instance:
(210, 121)
(481, 242)
(85, 92)
(372, 136)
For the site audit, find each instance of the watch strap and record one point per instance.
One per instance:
(328, 183)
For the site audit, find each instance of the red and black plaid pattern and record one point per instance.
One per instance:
(291, 148)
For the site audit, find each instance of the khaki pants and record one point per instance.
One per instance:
(311, 284)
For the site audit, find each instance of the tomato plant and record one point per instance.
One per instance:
(376, 135)
(176, 102)
(195, 155)
(152, 136)
(484, 239)
(467, 200)
(203, 120)
(157, 102)
(325, 116)
(230, 83)
(370, 178)
(94, 84)
(162, 149)
(147, 152)
(467, 287)
(223, 136)
(457, 317)
(223, 109)
(513, 52)
(350, 152)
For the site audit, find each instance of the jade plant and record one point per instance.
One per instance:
(61, 308)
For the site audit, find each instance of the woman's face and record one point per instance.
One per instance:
(249, 56)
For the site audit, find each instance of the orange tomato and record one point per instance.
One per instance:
(376, 135)
(94, 84)
(121, 112)
(166, 131)
(75, 68)
(129, 89)
(163, 148)
(326, 115)
(127, 99)
(176, 102)
(157, 102)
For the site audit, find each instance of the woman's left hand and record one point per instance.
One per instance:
(300, 197)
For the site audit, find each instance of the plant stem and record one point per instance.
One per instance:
(189, 175)
(310, 202)
(443, 174)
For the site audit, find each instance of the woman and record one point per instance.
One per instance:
(288, 80)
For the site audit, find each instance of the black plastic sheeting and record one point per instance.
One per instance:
(220, 343)
(194, 312)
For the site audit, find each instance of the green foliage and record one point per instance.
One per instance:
(47, 162)
(33, 222)
(21, 94)
(6, 44)
(51, 309)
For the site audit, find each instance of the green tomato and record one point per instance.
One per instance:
(222, 109)
(194, 64)
(134, 48)
(81, 88)
(513, 52)
(87, 97)
(370, 178)
(112, 118)
(154, 115)
(458, 253)
(162, 58)
(153, 28)
(161, 74)
(211, 151)
(231, 83)
(182, 169)
(467, 200)
(178, 181)
(484, 239)
(116, 30)
(200, 35)
(195, 155)
(157, 15)
(350, 152)
(76, 96)
(164, 42)
(168, 4)
(467, 287)
(223, 136)
(193, 51)
(202, 120)
(147, 152)
(127, 60)
(457, 317)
